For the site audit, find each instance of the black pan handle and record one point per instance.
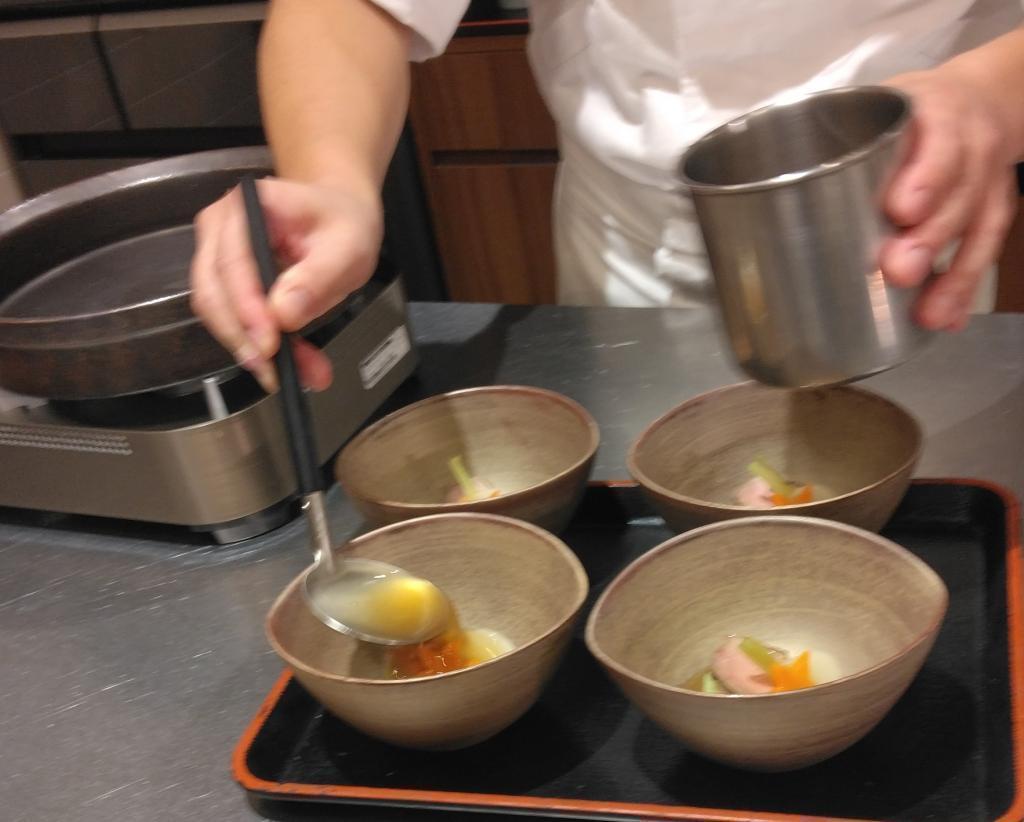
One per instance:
(297, 420)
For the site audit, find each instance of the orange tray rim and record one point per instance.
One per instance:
(355, 794)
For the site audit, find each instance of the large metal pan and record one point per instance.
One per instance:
(94, 295)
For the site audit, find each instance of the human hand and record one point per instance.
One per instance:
(328, 239)
(957, 184)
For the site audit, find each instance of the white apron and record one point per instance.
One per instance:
(632, 83)
(623, 243)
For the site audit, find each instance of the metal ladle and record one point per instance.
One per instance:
(329, 582)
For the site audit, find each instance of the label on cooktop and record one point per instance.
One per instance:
(384, 357)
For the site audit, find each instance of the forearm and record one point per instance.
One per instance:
(998, 68)
(334, 87)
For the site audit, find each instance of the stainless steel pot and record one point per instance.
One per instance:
(789, 199)
(94, 288)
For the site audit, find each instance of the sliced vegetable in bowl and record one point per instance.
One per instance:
(767, 488)
(452, 650)
(468, 488)
(744, 665)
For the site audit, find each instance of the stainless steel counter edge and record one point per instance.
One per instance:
(133, 656)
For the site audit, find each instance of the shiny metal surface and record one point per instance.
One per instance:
(789, 203)
(327, 572)
(329, 576)
(208, 472)
(251, 525)
(129, 675)
(214, 399)
(329, 590)
(94, 301)
(315, 511)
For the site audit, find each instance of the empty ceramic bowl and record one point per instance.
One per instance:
(866, 609)
(856, 449)
(533, 447)
(501, 574)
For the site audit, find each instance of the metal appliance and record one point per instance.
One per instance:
(178, 434)
(788, 199)
(212, 454)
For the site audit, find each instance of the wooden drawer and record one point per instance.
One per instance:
(488, 154)
(1010, 296)
(480, 96)
(493, 227)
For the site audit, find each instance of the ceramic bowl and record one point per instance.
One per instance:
(866, 609)
(534, 446)
(501, 574)
(858, 450)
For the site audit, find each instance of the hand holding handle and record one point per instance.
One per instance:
(297, 420)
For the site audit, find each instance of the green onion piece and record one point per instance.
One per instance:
(709, 684)
(695, 682)
(462, 477)
(759, 653)
(759, 468)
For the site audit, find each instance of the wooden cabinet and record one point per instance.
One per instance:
(488, 154)
(479, 96)
(493, 223)
(1010, 296)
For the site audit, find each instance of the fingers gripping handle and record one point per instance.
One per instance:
(298, 422)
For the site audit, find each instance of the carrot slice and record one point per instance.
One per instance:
(794, 675)
(805, 494)
(802, 495)
(445, 652)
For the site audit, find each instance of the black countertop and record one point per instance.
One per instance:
(133, 660)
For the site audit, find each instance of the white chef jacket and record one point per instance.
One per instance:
(631, 83)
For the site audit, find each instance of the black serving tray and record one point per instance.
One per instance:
(949, 750)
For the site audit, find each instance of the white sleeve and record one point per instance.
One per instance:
(432, 22)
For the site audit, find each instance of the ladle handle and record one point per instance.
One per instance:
(297, 421)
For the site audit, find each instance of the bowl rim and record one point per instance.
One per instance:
(891, 133)
(561, 549)
(641, 477)
(934, 623)
(343, 474)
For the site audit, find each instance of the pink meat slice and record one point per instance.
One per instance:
(738, 672)
(755, 493)
(484, 490)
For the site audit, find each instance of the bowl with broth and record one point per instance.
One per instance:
(768, 643)
(512, 450)
(515, 591)
(840, 453)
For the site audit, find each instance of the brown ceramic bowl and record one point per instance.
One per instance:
(857, 449)
(795, 582)
(501, 574)
(535, 446)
